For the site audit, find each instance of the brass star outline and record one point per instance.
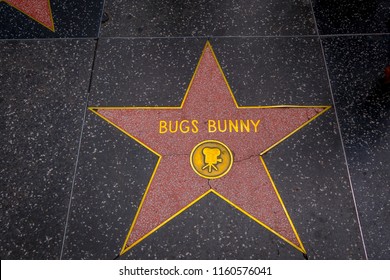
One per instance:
(126, 248)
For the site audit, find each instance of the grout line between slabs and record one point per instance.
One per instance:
(155, 37)
(355, 34)
(48, 39)
(192, 37)
(79, 149)
(339, 129)
(210, 36)
(101, 18)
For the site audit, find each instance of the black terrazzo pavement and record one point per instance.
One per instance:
(156, 71)
(351, 17)
(72, 19)
(71, 198)
(170, 18)
(43, 94)
(362, 97)
(274, 71)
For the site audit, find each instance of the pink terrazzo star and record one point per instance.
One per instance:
(38, 10)
(175, 186)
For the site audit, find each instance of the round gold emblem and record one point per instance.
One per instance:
(211, 159)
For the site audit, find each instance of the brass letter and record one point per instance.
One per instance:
(176, 126)
(163, 127)
(246, 126)
(194, 126)
(219, 126)
(233, 125)
(212, 125)
(255, 124)
(186, 129)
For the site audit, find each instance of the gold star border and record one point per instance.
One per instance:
(208, 45)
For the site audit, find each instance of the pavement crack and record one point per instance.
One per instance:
(244, 159)
(208, 182)
(174, 155)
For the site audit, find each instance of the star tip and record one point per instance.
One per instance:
(208, 45)
(123, 251)
(50, 26)
(94, 110)
(302, 249)
(323, 108)
(326, 108)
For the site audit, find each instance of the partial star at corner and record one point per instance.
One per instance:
(38, 10)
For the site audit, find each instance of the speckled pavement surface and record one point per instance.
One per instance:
(72, 183)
